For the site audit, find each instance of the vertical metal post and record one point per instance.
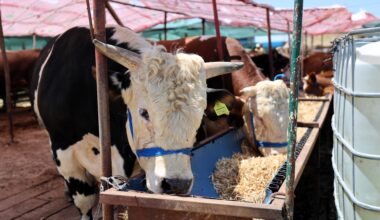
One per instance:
(270, 57)
(218, 38)
(165, 23)
(306, 47)
(322, 40)
(7, 100)
(34, 41)
(102, 93)
(289, 38)
(217, 30)
(312, 42)
(293, 107)
(203, 26)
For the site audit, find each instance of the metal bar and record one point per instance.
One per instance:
(349, 92)
(350, 194)
(146, 7)
(102, 94)
(348, 146)
(312, 42)
(34, 45)
(364, 31)
(270, 57)
(322, 40)
(218, 38)
(90, 19)
(165, 23)
(289, 38)
(203, 26)
(114, 14)
(8, 100)
(217, 30)
(293, 107)
(305, 46)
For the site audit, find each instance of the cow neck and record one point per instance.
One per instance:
(264, 144)
(156, 150)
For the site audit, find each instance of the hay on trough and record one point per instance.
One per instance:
(308, 110)
(245, 178)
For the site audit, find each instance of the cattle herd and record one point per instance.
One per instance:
(164, 97)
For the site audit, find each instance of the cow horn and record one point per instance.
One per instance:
(214, 69)
(125, 57)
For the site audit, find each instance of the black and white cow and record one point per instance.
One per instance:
(157, 101)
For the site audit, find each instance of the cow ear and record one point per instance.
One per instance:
(219, 102)
(121, 80)
(117, 80)
(248, 91)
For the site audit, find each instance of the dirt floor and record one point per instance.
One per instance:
(29, 183)
(28, 160)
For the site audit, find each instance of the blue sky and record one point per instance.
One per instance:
(372, 6)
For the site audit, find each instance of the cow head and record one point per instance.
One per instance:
(223, 111)
(268, 103)
(311, 86)
(166, 99)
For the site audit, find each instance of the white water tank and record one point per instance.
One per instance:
(356, 125)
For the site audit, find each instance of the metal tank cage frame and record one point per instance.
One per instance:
(344, 51)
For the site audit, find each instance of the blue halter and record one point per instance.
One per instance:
(279, 76)
(265, 143)
(154, 151)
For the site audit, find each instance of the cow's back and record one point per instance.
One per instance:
(64, 90)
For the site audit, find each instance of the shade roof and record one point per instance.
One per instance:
(332, 20)
(52, 17)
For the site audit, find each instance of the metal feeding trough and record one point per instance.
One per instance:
(203, 160)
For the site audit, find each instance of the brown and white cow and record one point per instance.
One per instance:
(318, 74)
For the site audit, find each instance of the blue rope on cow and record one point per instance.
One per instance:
(158, 151)
(154, 151)
(130, 123)
(265, 143)
(279, 76)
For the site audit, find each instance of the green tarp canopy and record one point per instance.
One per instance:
(22, 43)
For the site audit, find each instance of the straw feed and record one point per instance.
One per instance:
(245, 178)
(308, 110)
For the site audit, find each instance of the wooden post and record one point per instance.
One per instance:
(7, 100)
(293, 107)
(270, 57)
(165, 23)
(102, 95)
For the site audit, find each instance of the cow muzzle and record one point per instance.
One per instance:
(176, 186)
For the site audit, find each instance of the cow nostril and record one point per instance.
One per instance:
(176, 186)
(165, 186)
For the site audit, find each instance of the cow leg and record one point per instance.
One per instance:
(81, 186)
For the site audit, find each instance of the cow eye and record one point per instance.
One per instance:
(144, 113)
